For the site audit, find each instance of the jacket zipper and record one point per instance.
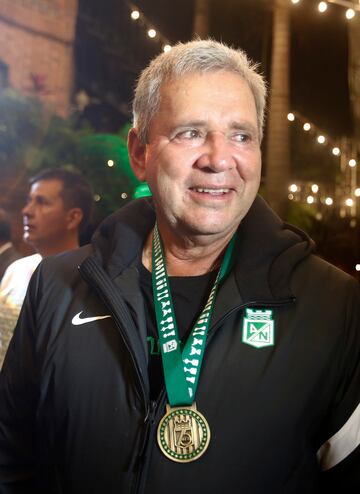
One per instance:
(90, 279)
(150, 406)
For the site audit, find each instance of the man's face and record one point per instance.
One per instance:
(44, 216)
(202, 160)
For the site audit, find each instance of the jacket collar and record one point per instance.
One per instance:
(266, 253)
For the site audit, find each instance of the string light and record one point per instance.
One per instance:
(310, 192)
(350, 5)
(135, 14)
(97, 197)
(291, 117)
(357, 267)
(110, 163)
(350, 14)
(315, 188)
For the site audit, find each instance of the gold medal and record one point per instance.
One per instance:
(183, 434)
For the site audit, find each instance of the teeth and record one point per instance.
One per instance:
(212, 191)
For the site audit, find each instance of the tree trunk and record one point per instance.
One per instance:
(354, 75)
(278, 152)
(201, 19)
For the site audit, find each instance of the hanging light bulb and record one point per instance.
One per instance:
(306, 126)
(290, 117)
(293, 188)
(135, 14)
(315, 188)
(335, 151)
(350, 14)
(310, 199)
(166, 48)
(151, 33)
(357, 192)
(322, 7)
(349, 202)
(321, 139)
(352, 163)
(329, 201)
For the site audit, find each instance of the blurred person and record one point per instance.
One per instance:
(8, 253)
(58, 207)
(256, 385)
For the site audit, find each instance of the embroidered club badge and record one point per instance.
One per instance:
(258, 328)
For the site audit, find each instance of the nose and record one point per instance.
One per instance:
(216, 156)
(26, 210)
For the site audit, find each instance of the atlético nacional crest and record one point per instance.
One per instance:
(258, 328)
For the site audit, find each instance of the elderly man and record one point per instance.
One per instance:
(256, 385)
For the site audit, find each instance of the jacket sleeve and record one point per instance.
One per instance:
(339, 455)
(19, 393)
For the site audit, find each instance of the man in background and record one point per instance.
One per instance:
(58, 208)
(8, 253)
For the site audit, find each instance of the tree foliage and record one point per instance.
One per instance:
(32, 139)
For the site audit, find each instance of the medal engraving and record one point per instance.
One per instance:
(183, 434)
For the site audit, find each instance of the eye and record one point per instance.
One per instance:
(241, 137)
(41, 201)
(188, 134)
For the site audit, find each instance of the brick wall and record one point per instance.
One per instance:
(36, 42)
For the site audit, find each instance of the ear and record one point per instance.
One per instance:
(137, 152)
(74, 217)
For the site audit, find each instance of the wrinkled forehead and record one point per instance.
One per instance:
(190, 87)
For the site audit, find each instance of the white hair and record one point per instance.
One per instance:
(193, 57)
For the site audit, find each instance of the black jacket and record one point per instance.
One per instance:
(75, 414)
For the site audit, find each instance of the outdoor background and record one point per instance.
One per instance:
(68, 68)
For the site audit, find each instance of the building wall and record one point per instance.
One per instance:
(36, 43)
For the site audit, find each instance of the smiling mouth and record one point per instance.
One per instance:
(213, 192)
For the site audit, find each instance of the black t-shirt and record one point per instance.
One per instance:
(189, 295)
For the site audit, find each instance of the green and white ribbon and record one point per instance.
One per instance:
(181, 369)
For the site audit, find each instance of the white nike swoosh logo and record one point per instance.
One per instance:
(77, 320)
